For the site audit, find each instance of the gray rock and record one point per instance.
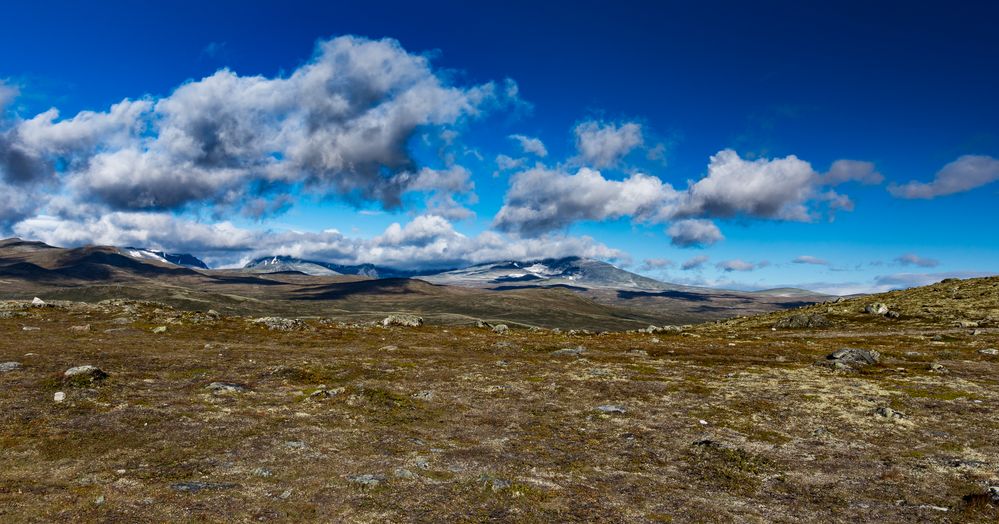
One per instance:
(226, 387)
(877, 308)
(404, 473)
(993, 493)
(989, 351)
(280, 323)
(802, 321)
(424, 395)
(194, 487)
(403, 320)
(84, 374)
(610, 408)
(9, 366)
(850, 359)
(493, 483)
(59, 396)
(569, 352)
(500, 328)
(368, 480)
(893, 314)
(938, 368)
(159, 329)
(80, 329)
(37, 302)
(30, 328)
(889, 413)
(966, 324)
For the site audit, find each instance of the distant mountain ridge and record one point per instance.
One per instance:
(177, 259)
(282, 263)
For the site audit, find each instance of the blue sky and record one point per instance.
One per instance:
(627, 92)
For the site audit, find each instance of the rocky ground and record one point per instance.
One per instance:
(188, 416)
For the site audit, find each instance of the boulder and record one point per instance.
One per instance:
(84, 374)
(989, 351)
(403, 320)
(9, 366)
(877, 308)
(500, 328)
(37, 302)
(850, 359)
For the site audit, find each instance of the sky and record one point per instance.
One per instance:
(845, 147)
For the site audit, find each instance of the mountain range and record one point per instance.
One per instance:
(566, 292)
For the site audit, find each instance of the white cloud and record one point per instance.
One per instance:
(808, 259)
(338, 125)
(603, 144)
(695, 263)
(843, 171)
(426, 241)
(542, 199)
(656, 264)
(964, 174)
(531, 145)
(694, 232)
(739, 265)
(911, 259)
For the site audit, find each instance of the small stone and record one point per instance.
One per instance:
(37, 302)
(194, 487)
(989, 351)
(404, 473)
(402, 320)
(889, 413)
(59, 396)
(262, 472)
(9, 366)
(226, 387)
(702, 422)
(285, 494)
(892, 314)
(966, 324)
(30, 328)
(572, 352)
(938, 368)
(802, 321)
(610, 408)
(99, 500)
(500, 328)
(80, 329)
(159, 329)
(368, 480)
(493, 483)
(424, 395)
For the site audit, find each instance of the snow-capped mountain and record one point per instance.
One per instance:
(177, 259)
(570, 271)
(282, 263)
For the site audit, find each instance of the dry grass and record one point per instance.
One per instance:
(464, 425)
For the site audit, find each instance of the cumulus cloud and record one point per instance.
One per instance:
(339, 124)
(542, 199)
(7, 94)
(531, 145)
(912, 259)
(964, 174)
(695, 263)
(426, 241)
(603, 144)
(808, 259)
(694, 233)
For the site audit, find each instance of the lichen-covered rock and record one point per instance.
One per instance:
(280, 323)
(500, 328)
(802, 320)
(6, 367)
(850, 359)
(403, 320)
(226, 387)
(877, 308)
